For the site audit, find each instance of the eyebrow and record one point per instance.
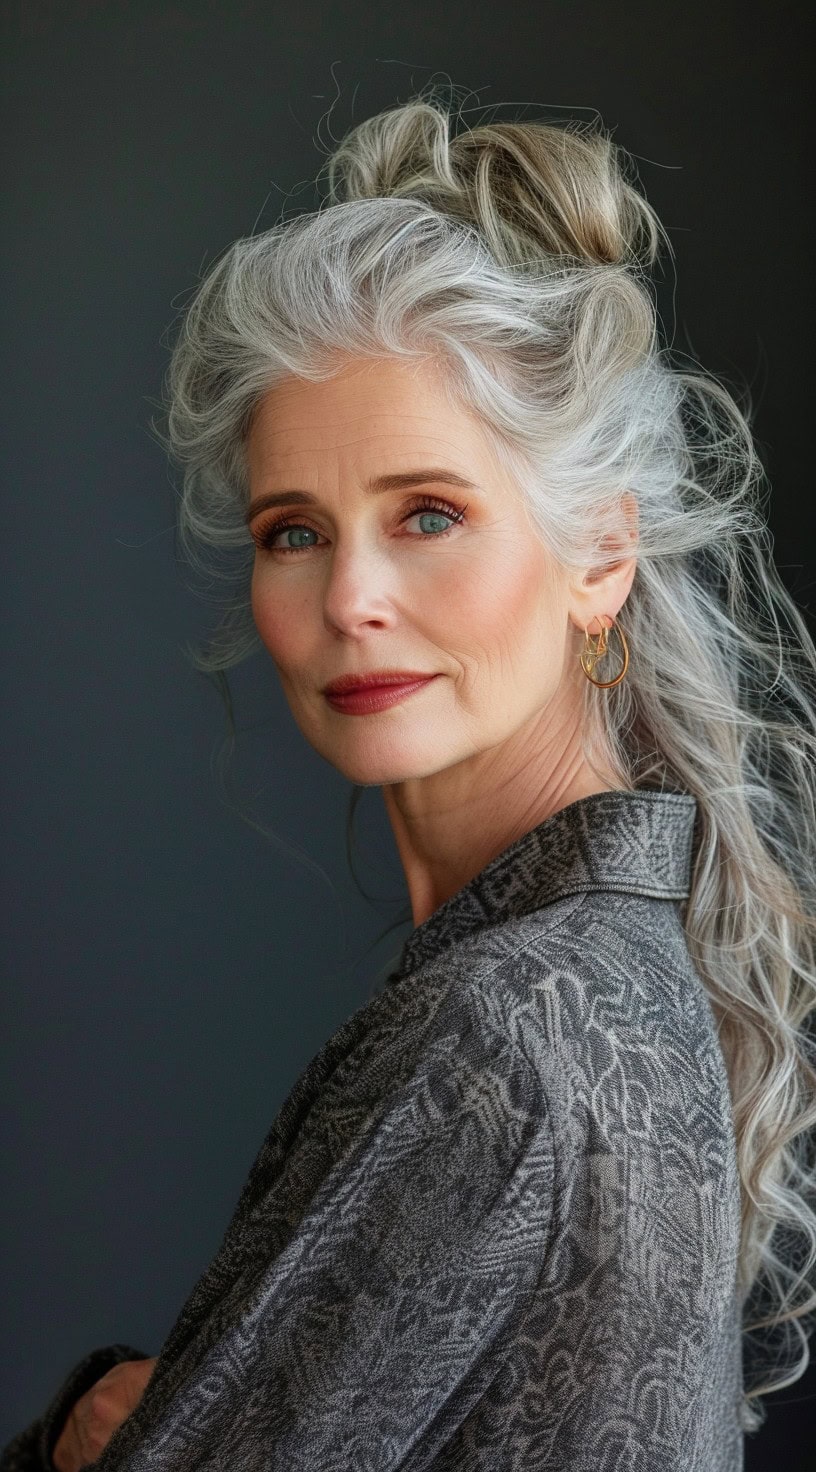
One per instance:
(396, 482)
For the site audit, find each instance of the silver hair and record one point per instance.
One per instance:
(516, 255)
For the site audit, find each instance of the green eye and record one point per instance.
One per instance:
(428, 505)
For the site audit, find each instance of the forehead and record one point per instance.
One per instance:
(368, 407)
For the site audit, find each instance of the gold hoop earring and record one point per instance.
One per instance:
(591, 653)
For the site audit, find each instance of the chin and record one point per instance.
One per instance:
(380, 773)
(369, 763)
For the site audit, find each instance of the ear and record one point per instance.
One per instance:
(593, 592)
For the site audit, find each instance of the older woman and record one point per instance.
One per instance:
(509, 1215)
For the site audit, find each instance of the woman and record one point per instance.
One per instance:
(510, 1215)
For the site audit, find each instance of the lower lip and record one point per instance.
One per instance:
(363, 702)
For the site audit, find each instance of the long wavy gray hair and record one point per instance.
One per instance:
(516, 253)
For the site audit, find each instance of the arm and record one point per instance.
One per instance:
(367, 1337)
(31, 1450)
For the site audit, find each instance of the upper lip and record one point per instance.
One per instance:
(347, 683)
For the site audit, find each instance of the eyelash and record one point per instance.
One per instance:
(265, 535)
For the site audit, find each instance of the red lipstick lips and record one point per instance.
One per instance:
(364, 681)
(364, 694)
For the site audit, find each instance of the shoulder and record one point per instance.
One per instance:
(598, 957)
(611, 1014)
(587, 973)
(600, 995)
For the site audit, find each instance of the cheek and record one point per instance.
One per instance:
(281, 624)
(505, 603)
(263, 613)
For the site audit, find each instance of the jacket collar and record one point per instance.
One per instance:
(632, 842)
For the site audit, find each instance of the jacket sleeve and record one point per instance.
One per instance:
(369, 1337)
(31, 1449)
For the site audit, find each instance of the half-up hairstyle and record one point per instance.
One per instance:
(517, 255)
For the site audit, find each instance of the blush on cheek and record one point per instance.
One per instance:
(289, 632)
(270, 620)
(505, 597)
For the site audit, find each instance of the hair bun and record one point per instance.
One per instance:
(531, 188)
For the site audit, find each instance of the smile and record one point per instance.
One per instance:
(366, 702)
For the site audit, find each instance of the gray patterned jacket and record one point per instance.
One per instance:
(494, 1226)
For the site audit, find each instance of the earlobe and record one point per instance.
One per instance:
(602, 592)
(598, 624)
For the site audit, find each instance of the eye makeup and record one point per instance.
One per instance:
(265, 534)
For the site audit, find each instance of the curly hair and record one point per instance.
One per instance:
(517, 254)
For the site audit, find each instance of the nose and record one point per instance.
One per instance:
(359, 589)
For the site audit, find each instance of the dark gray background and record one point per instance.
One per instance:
(168, 972)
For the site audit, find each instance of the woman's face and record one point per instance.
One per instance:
(375, 583)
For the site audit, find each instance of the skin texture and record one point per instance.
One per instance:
(493, 746)
(99, 1412)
